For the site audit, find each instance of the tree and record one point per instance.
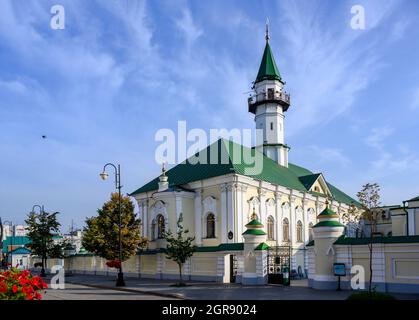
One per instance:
(179, 247)
(351, 220)
(101, 234)
(369, 197)
(41, 229)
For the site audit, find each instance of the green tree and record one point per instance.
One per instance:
(369, 197)
(101, 233)
(41, 229)
(351, 219)
(179, 247)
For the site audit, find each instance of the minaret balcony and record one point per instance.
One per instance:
(281, 98)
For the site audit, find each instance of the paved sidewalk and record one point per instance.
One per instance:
(77, 292)
(210, 291)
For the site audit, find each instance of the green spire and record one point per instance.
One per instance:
(268, 69)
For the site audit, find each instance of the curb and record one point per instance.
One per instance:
(165, 295)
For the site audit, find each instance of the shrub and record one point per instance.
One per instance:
(20, 285)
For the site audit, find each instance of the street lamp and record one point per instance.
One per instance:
(10, 224)
(120, 280)
(41, 210)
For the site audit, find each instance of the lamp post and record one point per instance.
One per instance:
(41, 210)
(10, 224)
(120, 280)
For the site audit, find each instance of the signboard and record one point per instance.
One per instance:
(339, 269)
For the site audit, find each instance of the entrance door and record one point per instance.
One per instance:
(279, 262)
(233, 268)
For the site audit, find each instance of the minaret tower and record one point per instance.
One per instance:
(268, 103)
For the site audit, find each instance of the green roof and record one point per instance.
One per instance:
(309, 180)
(263, 246)
(255, 223)
(329, 223)
(230, 246)
(21, 250)
(221, 247)
(229, 160)
(83, 251)
(414, 199)
(256, 232)
(15, 241)
(268, 69)
(327, 212)
(363, 241)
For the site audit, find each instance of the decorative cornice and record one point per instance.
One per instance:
(278, 195)
(232, 186)
(222, 187)
(261, 192)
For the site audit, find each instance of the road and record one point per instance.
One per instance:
(77, 292)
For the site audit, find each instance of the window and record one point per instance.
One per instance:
(285, 230)
(272, 125)
(299, 231)
(270, 226)
(210, 225)
(270, 94)
(160, 226)
(310, 231)
(316, 189)
(153, 230)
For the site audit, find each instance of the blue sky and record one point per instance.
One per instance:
(121, 70)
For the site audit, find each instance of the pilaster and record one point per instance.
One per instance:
(223, 231)
(198, 216)
(231, 195)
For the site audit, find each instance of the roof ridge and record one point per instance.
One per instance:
(272, 172)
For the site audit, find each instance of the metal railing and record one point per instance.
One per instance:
(272, 96)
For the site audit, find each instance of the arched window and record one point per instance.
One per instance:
(316, 189)
(310, 231)
(270, 227)
(210, 225)
(285, 230)
(160, 226)
(299, 231)
(153, 229)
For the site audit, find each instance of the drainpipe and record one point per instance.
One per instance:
(407, 218)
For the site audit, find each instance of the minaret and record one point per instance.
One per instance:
(268, 103)
(163, 179)
(326, 232)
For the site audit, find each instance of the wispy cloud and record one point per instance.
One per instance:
(399, 29)
(387, 159)
(326, 66)
(331, 155)
(377, 137)
(188, 27)
(13, 86)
